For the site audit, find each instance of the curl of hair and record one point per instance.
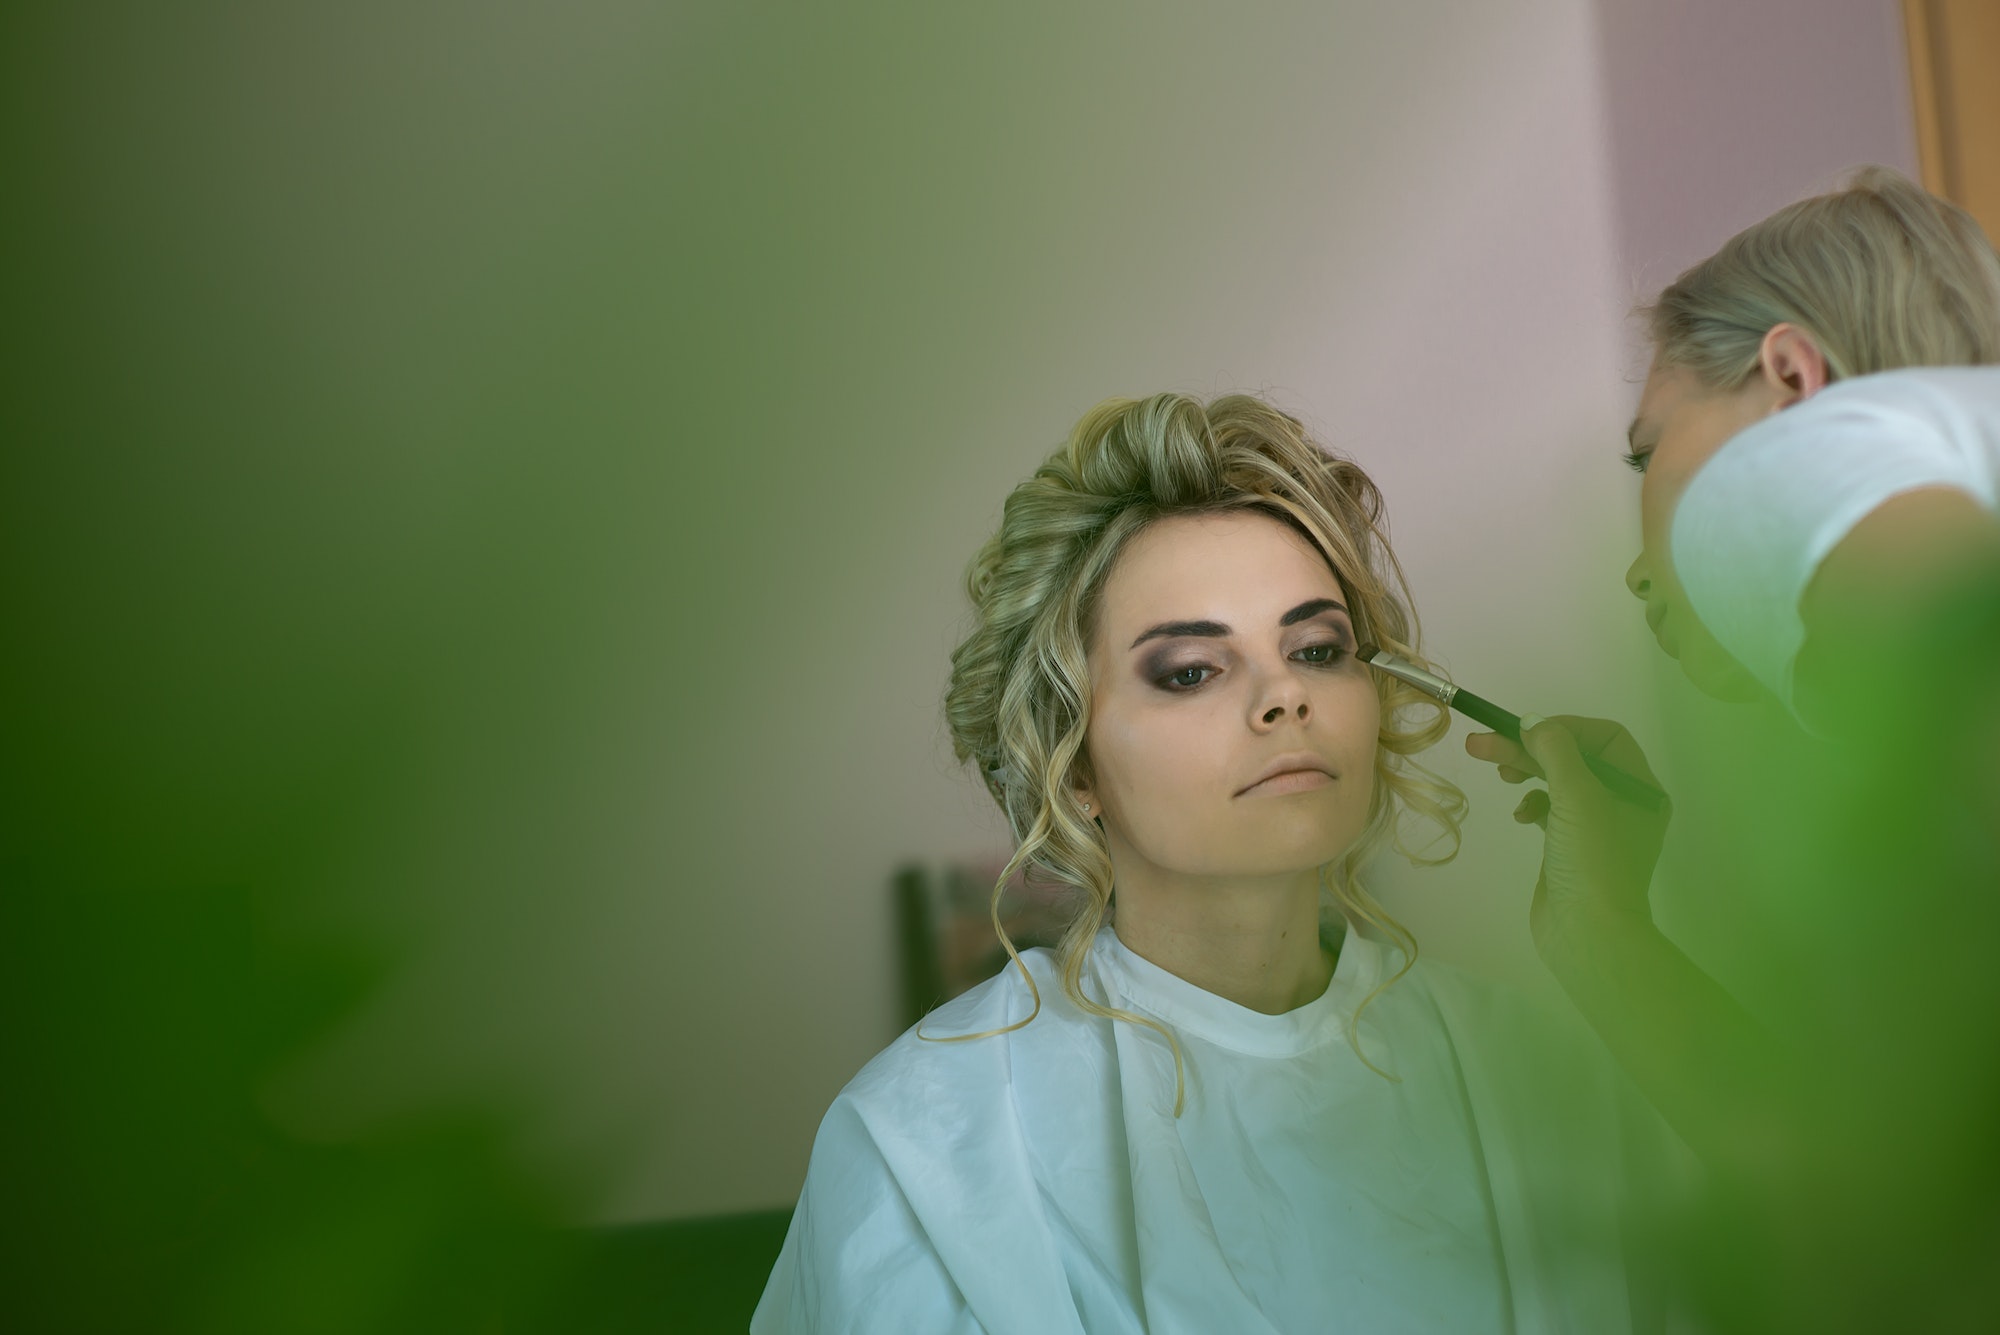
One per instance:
(1018, 705)
(1882, 274)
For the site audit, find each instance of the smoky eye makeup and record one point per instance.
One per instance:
(1325, 642)
(1328, 628)
(1323, 651)
(1161, 668)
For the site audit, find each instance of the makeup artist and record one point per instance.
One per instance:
(1819, 437)
(1843, 351)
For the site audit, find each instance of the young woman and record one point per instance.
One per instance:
(1215, 1107)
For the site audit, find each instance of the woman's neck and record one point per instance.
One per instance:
(1254, 942)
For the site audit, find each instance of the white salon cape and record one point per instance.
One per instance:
(1759, 516)
(1038, 1182)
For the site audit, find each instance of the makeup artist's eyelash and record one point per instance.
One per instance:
(1334, 654)
(1636, 461)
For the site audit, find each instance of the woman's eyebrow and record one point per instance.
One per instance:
(1216, 630)
(1310, 608)
(1175, 629)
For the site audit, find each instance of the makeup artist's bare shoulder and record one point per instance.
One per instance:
(1888, 573)
(1908, 542)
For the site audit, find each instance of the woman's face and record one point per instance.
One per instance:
(1680, 424)
(1232, 730)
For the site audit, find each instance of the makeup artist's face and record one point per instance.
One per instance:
(1232, 730)
(1679, 425)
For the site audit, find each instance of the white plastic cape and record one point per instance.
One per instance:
(1038, 1181)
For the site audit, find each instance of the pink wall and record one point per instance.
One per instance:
(1717, 114)
(1720, 111)
(598, 414)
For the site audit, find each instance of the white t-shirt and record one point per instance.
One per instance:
(1038, 1181)
(1760, 515)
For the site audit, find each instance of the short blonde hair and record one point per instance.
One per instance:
(1882, 274)
(1018, 704)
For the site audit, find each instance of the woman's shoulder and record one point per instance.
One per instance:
(1501, 1017)
(1918, 385)
(958, 1052)
(1954, 409)
(919, 1180)
(1436, 975)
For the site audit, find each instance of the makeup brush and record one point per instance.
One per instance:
(1481, 710)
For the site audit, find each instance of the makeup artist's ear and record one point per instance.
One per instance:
(1791, 364)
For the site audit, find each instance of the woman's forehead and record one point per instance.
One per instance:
(1216, 566)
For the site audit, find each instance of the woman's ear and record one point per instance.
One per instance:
(1083, 792)
(1791, 363)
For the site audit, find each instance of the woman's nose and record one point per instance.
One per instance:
(1284, 694)
(1639, 577)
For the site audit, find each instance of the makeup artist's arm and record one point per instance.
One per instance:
(1881, 586)
(1719, 1080)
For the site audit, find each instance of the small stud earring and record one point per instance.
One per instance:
(1086, 808)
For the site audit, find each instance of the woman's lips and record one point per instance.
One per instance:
(1656, 621)
(1291, 781)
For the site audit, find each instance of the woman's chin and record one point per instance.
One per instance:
(1303, 851)
(1721, 678)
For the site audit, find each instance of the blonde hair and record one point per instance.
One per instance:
(1019, 700)
(1881, 274)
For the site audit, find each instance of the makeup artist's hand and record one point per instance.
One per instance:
(1600, 850)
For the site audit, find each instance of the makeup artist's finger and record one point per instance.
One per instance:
(1508, 774)
(1608, 741)
(1562, 759)
(1509, 755)
(1534, 809)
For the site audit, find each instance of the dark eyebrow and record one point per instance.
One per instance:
(1310, 609)
(1215, 630)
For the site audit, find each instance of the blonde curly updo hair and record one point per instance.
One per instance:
(1019, 700)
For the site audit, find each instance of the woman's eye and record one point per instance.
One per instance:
(1320, 653)
(1187, 678)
